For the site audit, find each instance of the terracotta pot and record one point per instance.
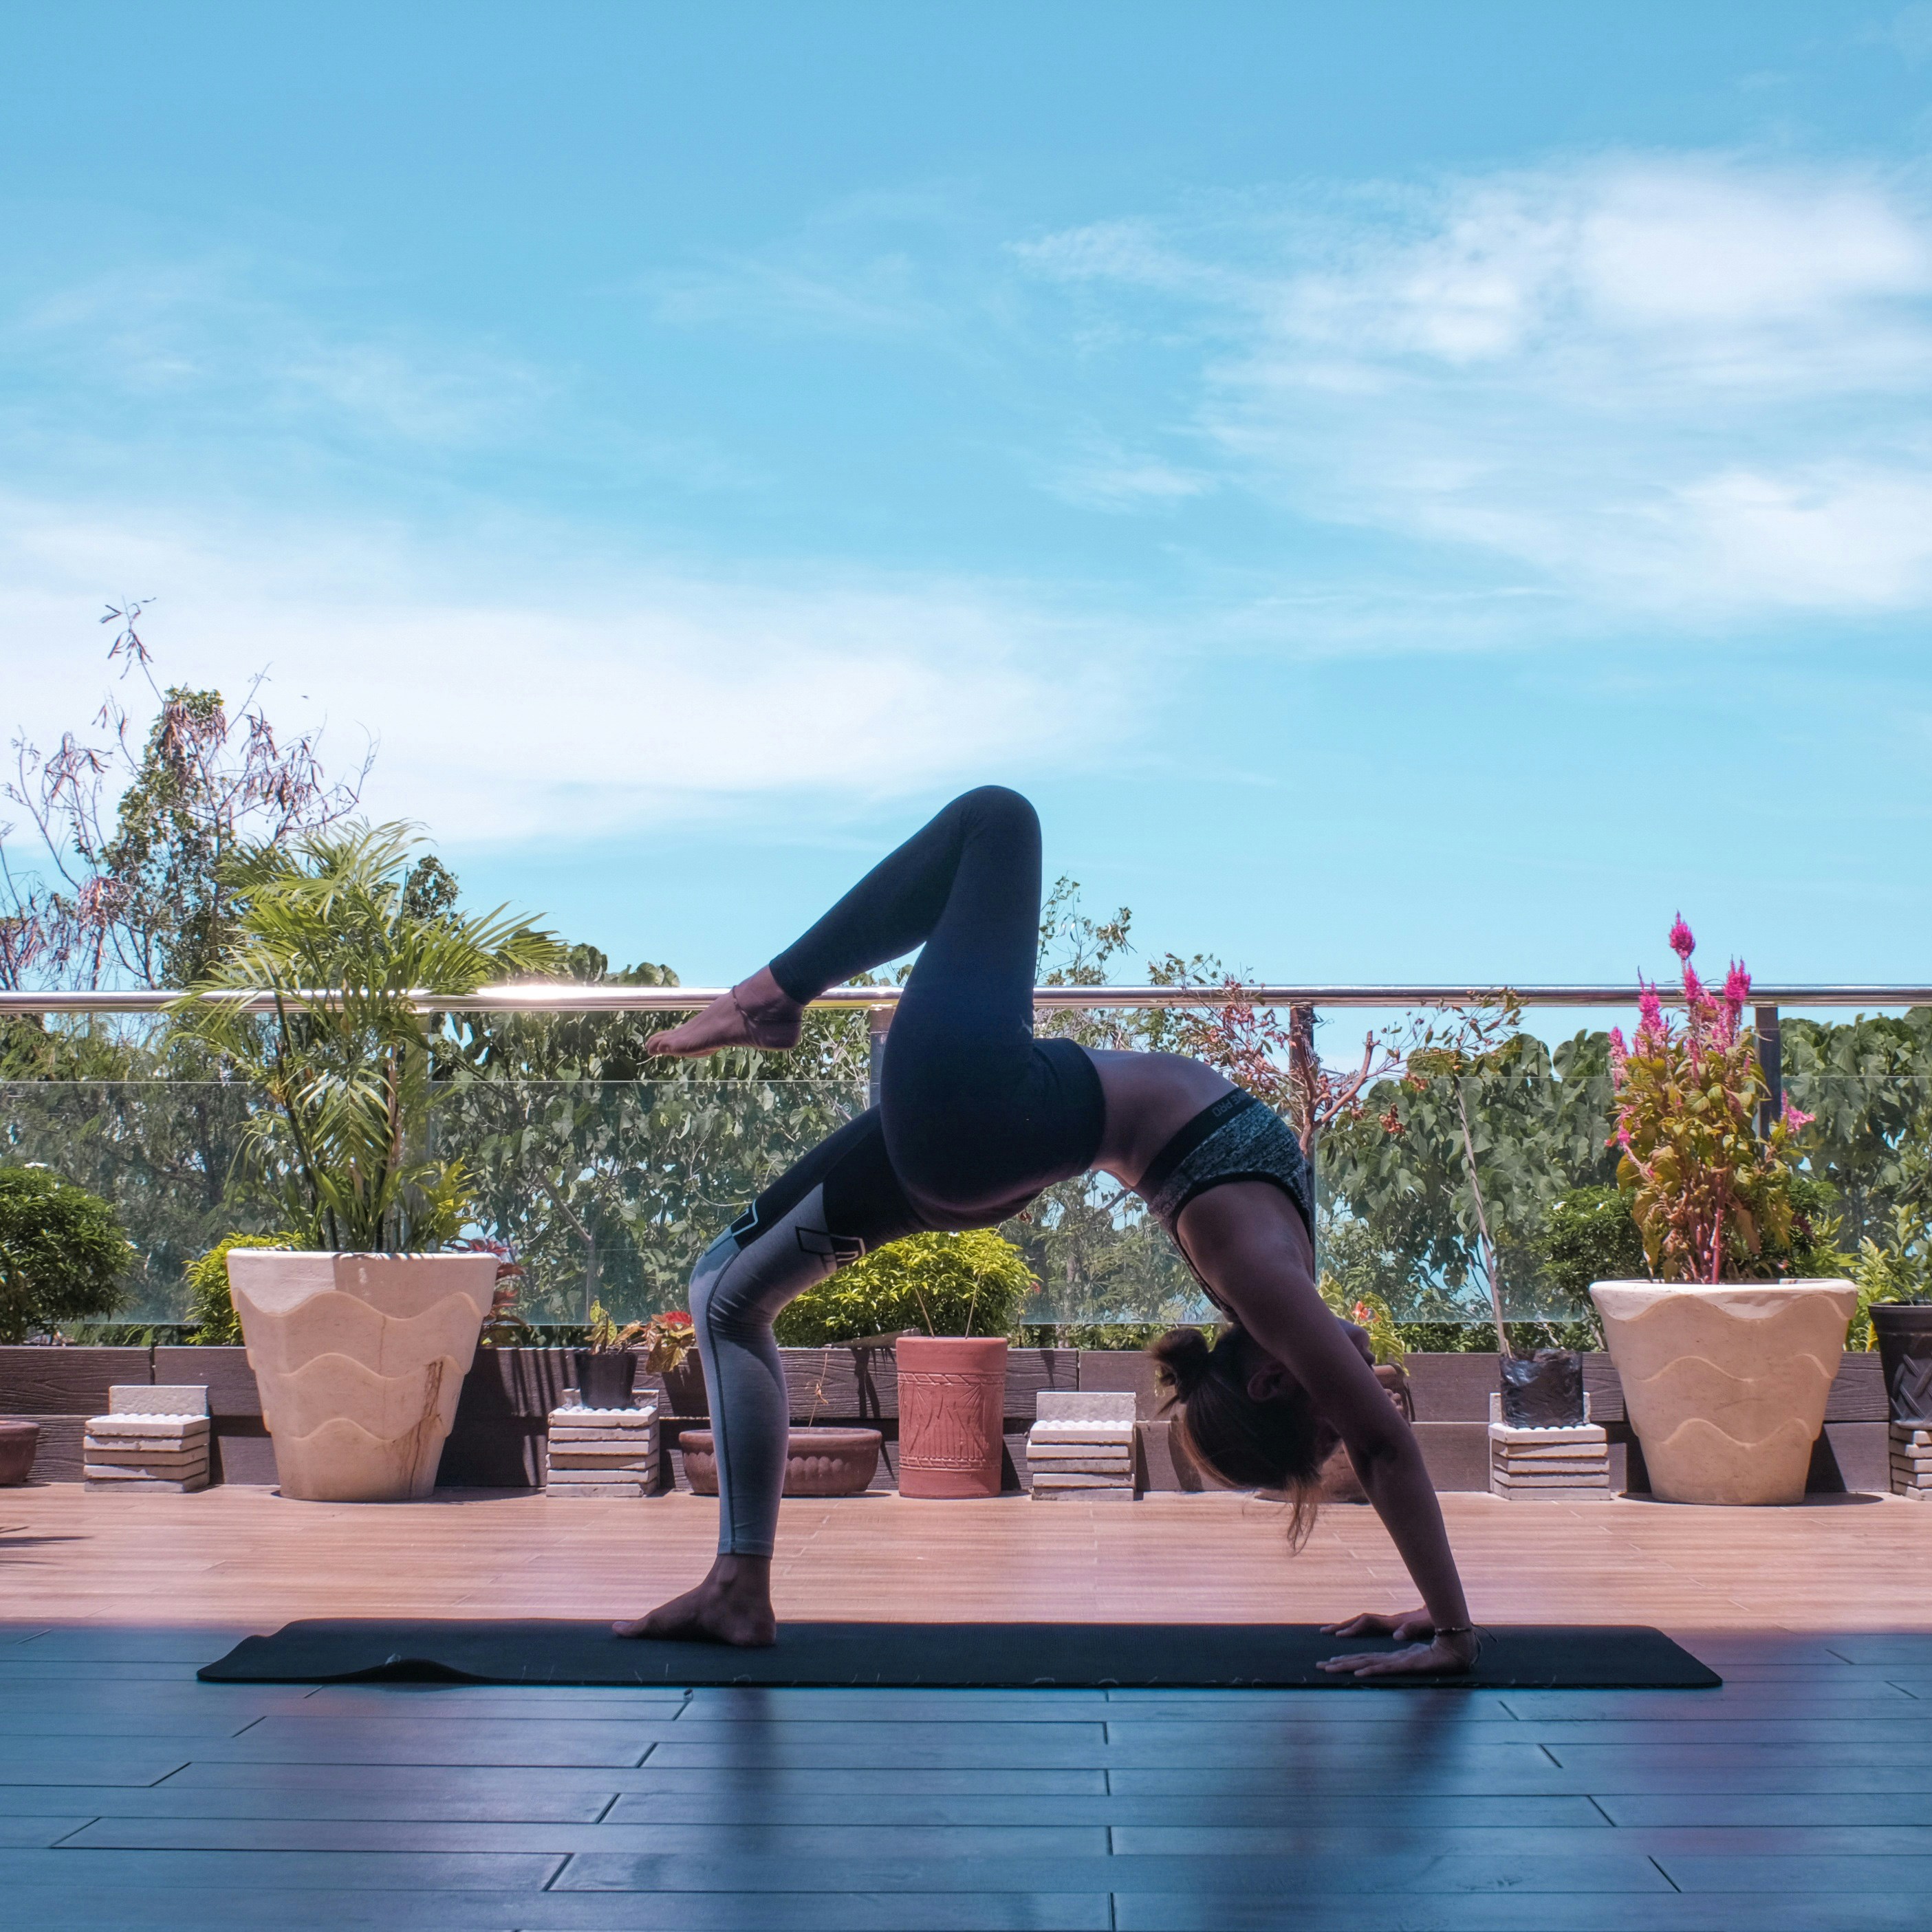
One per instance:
(359, 1359)
(1904, 1332)
(953, 1399)
(606, 1377)
(19, 1443)
(1726, 1385)
(818, 1462)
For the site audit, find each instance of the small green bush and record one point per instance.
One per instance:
(62, 1253)
(211, 1308)
(933, 1284)
(1590, 1235)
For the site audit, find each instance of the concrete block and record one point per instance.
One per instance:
(169, 1399)
(1067, 1405)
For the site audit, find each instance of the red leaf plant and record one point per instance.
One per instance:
(1706, 1192)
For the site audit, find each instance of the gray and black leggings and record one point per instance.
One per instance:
(975, 1117)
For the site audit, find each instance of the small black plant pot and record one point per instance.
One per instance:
(1544, 1390)
(1904, 1332)
(606, 1378)
(684, 1387)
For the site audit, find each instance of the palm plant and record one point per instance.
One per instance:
(346, 930)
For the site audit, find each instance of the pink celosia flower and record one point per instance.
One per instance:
(1681, 943)
(1794, 1117)
(1737, 987)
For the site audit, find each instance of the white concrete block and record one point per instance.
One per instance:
(159, 1399)
(1081, 1431)
(1084, 1406)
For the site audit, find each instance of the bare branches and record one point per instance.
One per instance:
(132, 828)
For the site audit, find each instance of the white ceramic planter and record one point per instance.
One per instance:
(359, 1359)
(1725, 1386)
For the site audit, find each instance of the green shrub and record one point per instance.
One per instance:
(933, 1284)
(1590, 1234)
(211, 1308)
(62, 1253)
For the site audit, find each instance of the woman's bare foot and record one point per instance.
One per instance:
(732, 1605)
(756, 1011)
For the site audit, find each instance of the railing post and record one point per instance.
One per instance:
(877, 1019)
(1304, 1066)
(1771, 1064)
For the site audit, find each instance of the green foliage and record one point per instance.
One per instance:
(1867, 1083)
(1897, 1269)
(210, 1307)
(934, 1284)
(343, 1143)
(603, 1335)
(61, 1253)
(1589, 1235)
(1402, 1222)
(1369, 1311)
(1112, 1335)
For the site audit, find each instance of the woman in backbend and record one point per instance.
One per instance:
(975, 1117)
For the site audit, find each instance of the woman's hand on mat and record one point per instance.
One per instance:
(1425, 1652)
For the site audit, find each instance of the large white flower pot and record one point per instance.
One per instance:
(1725, 1386)
(359, 1359)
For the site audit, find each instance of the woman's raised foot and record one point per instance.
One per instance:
(756, 1011)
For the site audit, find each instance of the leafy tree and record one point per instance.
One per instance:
(61, 1253)
(129, 884)
(1867, 1085)
(343, 1143)
(610, 1169)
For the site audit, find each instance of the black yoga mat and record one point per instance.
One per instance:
(1005, 1656)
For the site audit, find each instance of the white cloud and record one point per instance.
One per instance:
(214, 340)
(632, 696)
(1691, 383)
(1108, 477)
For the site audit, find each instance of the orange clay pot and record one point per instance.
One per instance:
(953, 1399)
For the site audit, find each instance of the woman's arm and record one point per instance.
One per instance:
(1248, 1241)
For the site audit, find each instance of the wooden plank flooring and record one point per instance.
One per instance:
(1797, 1797)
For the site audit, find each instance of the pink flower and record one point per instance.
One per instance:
(1793, 1118)
(1737, 987)
(1694, 995)
(1681, 943)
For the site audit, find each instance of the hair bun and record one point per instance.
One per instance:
(1181, 1357)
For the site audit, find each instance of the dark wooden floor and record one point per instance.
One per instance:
(1799, 1796)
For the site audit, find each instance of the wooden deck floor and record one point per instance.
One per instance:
(1800, 1796)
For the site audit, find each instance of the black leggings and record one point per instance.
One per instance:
(975, 1117)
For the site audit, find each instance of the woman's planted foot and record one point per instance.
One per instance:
(756, 1011)
(732, 1606)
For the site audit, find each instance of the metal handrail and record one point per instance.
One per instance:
(562, 997)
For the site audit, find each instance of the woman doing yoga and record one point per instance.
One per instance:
(975, 1117)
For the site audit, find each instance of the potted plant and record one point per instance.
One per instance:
(359, 1339)
(1895, 1297)
(937, 1289)
(1726, 1360)
(1544, 1388)
(670, 1354)
(606, 1364)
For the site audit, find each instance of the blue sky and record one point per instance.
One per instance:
(1412, 491)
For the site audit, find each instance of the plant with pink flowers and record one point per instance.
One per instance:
(1708, 1194)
